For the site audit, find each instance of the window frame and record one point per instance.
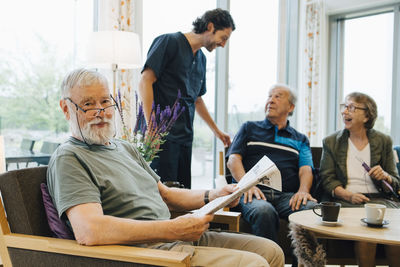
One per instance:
(336, 64)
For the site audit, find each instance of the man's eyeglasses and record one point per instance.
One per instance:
(92, 112)
(350, 108)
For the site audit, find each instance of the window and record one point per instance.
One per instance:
(364, 49)
(41, 42)
(252, 60)
(367, 68)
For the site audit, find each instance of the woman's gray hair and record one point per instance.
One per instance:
(371, 111)
(292, 96)
(81, 78)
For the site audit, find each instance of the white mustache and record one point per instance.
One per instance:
(99, 120)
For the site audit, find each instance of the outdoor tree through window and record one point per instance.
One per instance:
(42, 40)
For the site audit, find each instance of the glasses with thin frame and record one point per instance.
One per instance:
(350, 108)
(92, 112)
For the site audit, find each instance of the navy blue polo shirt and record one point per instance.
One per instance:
(171, 58)
(287, 148)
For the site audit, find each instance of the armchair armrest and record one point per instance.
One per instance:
(109, 252)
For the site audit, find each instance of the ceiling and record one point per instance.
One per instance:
(340, 6)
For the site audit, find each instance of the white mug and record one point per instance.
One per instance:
(375, 213)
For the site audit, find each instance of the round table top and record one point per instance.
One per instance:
(350, 226)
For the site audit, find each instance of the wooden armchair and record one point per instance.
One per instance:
(25, 238)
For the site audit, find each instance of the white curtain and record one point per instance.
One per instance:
(118, 15)
(310, 81)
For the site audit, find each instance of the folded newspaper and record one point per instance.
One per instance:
(264, 173)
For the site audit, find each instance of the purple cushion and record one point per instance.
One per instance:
(57, 226)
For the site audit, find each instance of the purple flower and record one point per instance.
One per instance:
(139, 116)
(168, 111)
(178, 106)
(153, 122)
(158, 111)
(162, 115)
(149, 136)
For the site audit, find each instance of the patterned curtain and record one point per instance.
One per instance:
(118, 15)
(310, 69)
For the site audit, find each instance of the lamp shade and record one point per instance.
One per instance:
(108, 48)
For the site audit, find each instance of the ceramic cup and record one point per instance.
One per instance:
(375, 213)
(329, 211)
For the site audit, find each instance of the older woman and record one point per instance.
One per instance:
(345, 178)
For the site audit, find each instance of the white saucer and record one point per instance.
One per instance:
(327, 223)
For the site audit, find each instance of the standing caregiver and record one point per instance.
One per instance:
(175, 62)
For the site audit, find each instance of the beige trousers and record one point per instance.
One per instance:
(229, 249)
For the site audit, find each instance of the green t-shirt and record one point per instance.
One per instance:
(115, 176)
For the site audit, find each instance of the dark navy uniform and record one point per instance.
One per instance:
(176, 68)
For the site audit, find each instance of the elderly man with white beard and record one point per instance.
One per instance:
(108, 194)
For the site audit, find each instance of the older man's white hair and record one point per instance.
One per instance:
(292, 95)
(81, 78)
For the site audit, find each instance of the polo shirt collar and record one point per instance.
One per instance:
(269, 125)
(80, 143)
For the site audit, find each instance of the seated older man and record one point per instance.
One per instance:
(109, 195)
(288, 149)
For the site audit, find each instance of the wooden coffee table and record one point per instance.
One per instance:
(351, 227)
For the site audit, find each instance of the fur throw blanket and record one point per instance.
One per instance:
(306, 247)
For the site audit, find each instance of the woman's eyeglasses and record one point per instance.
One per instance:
(350, 108)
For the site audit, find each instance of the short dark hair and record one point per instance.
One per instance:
(371, 111)
(219, 17)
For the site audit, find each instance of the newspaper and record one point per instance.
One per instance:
(264, 173)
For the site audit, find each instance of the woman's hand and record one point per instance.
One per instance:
(357, 198)
(378, 173)
(353, 198)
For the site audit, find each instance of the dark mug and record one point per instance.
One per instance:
(329, 211)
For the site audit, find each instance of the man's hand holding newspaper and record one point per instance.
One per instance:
(264, 172)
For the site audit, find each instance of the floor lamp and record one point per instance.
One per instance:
(114, 50)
